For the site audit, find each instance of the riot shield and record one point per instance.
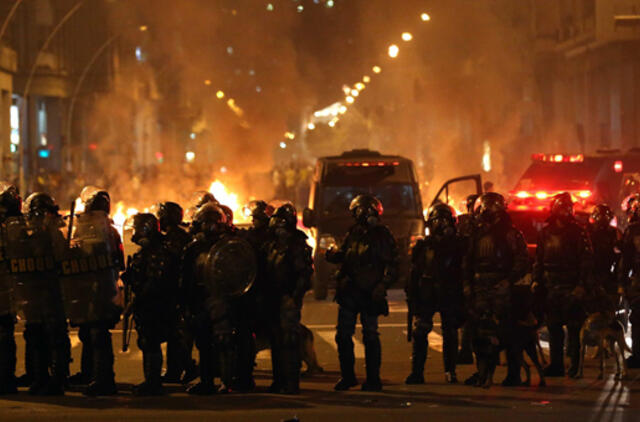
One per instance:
(30, 258)
(6, 279)
(231, 267)
(89, 271)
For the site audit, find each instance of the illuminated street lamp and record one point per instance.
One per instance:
(311, 126)
(425, 17)
(393, 51)
(207, 82)
(350, 99)
(406, 36)
(366, 79)
(376, 69)
(220, 95)
(355, 92)
(143, 28)
(342, 109)
(283, 145)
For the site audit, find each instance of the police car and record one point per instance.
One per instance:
(608, 176)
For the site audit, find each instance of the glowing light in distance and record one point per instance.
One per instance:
(289, 135)
(283, 145)
(192, 135)
(393, 51)
(143, 28)
(376, 69)
(207, 82)
(355, 92)
(311, 126)
(220, 95)
(223, 169)
(190, 156)
(523, 194)
(329, 3)
(350, 99)
(406, 36)
(300, 8)
(270, 7)
(542, 195)
(486, 157)
(366, 79)
(359, 86)
(584, 194)
(342, 109)
(346, 89)
(333, 122)
(425, 17)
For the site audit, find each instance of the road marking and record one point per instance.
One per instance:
(330, 337)
(435, 340)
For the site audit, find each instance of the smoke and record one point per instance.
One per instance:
(219, 79)
(465, 80)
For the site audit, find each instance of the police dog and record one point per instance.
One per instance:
(521, 332)
(307, 350)
(603, 330)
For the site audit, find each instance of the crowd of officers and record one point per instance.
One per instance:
(219, 288)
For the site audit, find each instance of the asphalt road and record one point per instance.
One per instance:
(562, 400)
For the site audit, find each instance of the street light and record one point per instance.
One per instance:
(425, 17)
(393, 51)
(220, 95)
(350, 99)
(376, 69)
(283, 145)
(406, 36)
(366, 79)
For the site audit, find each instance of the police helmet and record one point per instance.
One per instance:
(364, 206)
(285, 216)
(98, 201)
(39, 204)
(10, 201)
(490, 207)
(145, 226)
(562, 205)
(169, 214)
(209, 218)
(601, 216)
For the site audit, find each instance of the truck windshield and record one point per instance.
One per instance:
(397, 199)
(559, 176)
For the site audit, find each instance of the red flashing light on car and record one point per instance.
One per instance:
(558, 158)
(617, 166)
(370, 164)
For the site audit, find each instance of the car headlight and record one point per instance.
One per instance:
(327, 242)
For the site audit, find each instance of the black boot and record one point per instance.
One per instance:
(40, 360)
(291, 364)
(573, 350)
(449, 351)
(104, 383)
(8, 383)
(152, 365)
(514, 364)
(418, 359)
(85, 376)
(373, 357)
(347, 362)
(556, 349)
(227, 363)
(58, 338)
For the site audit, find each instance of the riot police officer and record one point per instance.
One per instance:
(34, 239)
(563, 264)
(368, 261)
(466, 226)
(435, 285)
(97, 348)
(10, 205)
(605, 240)
(496, 259)
(208, 227)
(629, 286)
(180, 340)
(151, 273)
(289, 267)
